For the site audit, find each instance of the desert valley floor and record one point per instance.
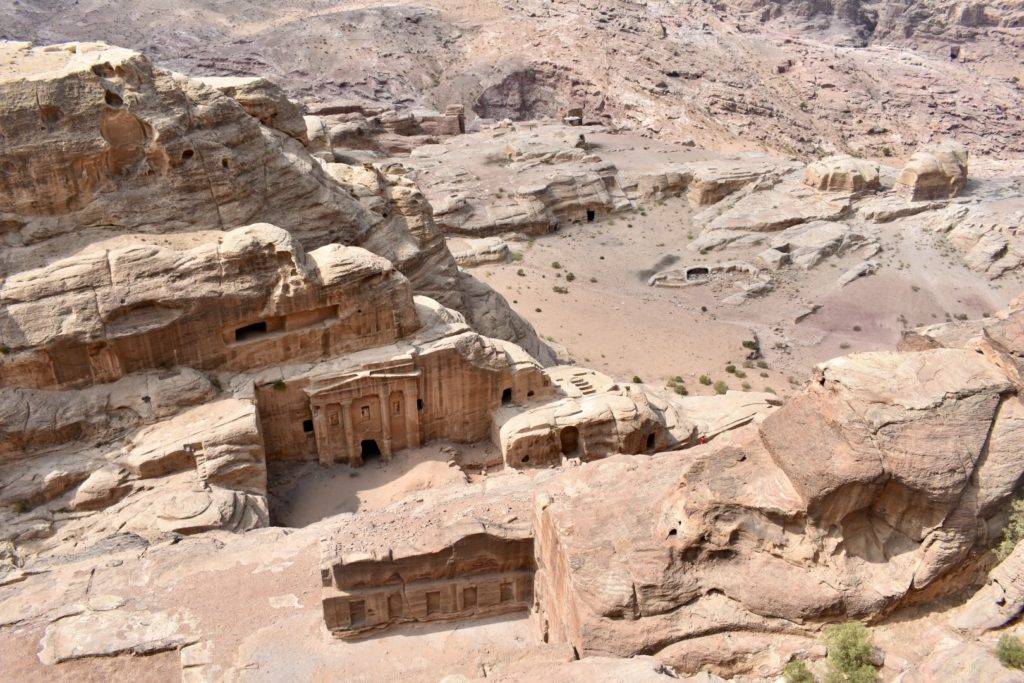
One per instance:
(518, 341)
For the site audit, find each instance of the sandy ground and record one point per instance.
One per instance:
(611, 320)
(304, 493)
(256, 599)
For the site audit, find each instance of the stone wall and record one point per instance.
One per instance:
(476, 575)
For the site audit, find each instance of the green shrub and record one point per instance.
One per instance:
(740, 374)
(516, 256)
(521, 273)
(1010, 651)
(745, 386)
(721, 387)
(731, 369)
(279, 385)
(560, 290)
(849, 654)
(762, 364)
(751, 344)
(705, 380)
(797, 672)
(569, 277)
(556, 265)
(681, 390)
(1013, 532)
(637, 380)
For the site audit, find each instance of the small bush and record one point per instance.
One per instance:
(769, 390)
(521, 273)
(559, 290)
(797, 672)
(681, 390)
(569, 277)
(1013, 532)
(731, 369)
(593, 279)
(1010, 651)
(4, 349)
(844, 346)
(740, 374)
(556, 265)
(762, 364)
(721, 387)
(751, 344)
(745, 386)
(705, 380)
(516, 256)
(849, 654)
(637, 380)
(279, 385)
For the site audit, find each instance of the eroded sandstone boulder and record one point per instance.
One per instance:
(264, 100)
(842, 173)
(936, 171)
(873, 487)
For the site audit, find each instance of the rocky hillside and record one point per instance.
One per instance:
(869, 78)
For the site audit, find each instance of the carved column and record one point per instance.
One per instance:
(346, 417)
(412, 416)
(384, 397)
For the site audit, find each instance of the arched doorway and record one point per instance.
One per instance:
(368, 448)
(569, 438)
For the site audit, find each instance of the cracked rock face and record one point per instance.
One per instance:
(107, 632)
(872, 488)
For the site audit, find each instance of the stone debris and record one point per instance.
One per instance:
(862, 269)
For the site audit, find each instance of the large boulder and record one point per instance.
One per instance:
(842, 173)
(264, 100)
(874, 488)
(934, 172)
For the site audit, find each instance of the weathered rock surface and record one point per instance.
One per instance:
(842, 173)
(785, 76)
(934, 172)
(133, 135)
(244, 297)
(263, 100)
(111, 632)
(1000, 601)
(918, 459)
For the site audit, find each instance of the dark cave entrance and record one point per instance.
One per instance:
(369, 449)
(569, 439)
